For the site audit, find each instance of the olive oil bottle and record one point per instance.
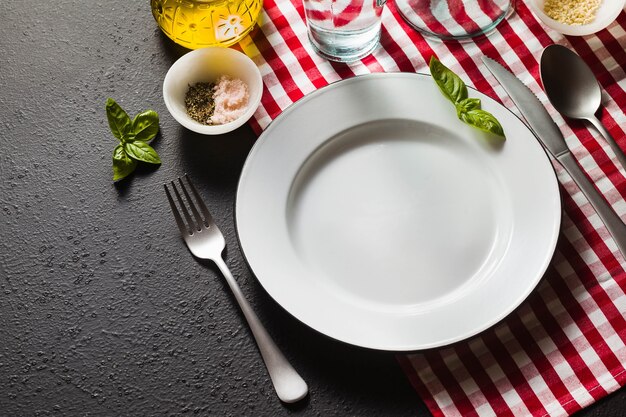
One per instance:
(201, 23)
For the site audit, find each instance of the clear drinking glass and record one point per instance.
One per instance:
(455, 19)
(344, 30)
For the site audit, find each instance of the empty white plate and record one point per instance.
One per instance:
(372, 214)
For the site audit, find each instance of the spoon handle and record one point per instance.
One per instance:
(619, 154)
(611, 220)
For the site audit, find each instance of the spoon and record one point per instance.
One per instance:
(573, 90)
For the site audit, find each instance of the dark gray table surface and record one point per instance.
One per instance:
(103, 311)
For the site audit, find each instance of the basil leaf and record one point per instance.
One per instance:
(119, 122)
(483, 120)
(468, 104)
(141, 151)
(467, 109)
(450, 84)
(145, 126)
(122, 163)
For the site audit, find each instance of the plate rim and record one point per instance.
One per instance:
(421, 346)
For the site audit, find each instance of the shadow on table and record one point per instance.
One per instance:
(172, 51)
(215, 161)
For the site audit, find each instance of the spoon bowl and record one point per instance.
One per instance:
(569, 83)
(573, 90)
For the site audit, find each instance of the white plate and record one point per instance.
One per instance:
(372, 214)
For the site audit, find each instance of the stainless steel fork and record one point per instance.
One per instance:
(205, 241)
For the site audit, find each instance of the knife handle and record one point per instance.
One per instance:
(611, 220)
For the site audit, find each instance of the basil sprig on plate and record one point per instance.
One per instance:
(467, 109)
(134, 136)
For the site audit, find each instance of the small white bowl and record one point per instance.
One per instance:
(206, 65)
(606, 14)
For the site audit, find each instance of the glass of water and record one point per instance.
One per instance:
(455, 19)
(344, 30)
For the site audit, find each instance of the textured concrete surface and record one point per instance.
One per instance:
(103, 311)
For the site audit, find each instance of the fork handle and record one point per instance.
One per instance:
(289, 385)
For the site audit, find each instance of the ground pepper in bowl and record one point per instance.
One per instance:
(199, 102)
(217, 103)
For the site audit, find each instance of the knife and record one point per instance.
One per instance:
(552, 139)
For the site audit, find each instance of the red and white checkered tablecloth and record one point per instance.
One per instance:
(564, 347)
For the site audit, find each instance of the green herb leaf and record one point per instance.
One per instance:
(122, 163)
(468, 104)
(467, 109)
(133, 136)
(483, 120)
(141, 151)
(450, 84)
(145, 126)
(119, 122)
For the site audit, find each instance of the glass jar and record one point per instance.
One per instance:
(455, 19)
(201, 23)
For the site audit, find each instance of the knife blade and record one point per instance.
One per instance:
(531, 108)
(550, 136)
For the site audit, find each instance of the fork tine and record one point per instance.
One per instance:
(183, 207)
(191, 204)
(203, 207)
(179, 221)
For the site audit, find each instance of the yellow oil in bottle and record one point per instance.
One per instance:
(201, 23)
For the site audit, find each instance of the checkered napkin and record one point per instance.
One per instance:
(564, 347)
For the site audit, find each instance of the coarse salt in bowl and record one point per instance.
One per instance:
(605, 15)
(207, 65)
